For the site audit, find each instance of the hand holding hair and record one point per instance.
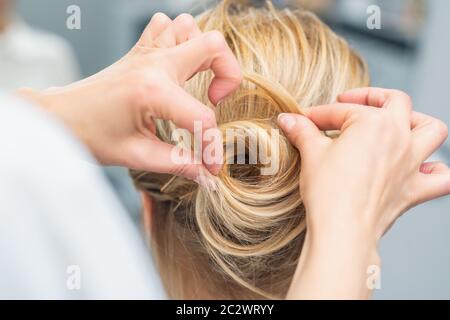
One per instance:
(114, 111)
(359, 183)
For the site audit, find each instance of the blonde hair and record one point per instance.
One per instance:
(243, 240)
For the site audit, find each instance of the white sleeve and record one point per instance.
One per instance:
(63, 234)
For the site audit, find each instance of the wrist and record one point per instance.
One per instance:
(358, 243)
(29, 94)
(63, 104)
(355, 236)
(336, 262)
(346, 218)
(45, 99)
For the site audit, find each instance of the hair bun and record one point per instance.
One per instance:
(251, 215)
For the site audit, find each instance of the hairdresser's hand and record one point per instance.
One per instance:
(376, 166)
(113, 111)
(355, 186)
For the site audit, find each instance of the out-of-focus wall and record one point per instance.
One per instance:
(107, 25)
(92, 44)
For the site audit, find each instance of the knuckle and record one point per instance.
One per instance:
(214, 41)
(380, 121)
(399, 93)
(186, 20)
(358, 115)
(441, 128)
(403, 96)
(236, 79)
(160, 17)
(208, 119)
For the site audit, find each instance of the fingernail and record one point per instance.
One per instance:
(286, 121)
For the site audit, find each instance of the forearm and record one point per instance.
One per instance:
(334, 264)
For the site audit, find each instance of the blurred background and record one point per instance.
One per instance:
(410, 52)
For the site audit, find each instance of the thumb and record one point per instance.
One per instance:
(301, 132)
(153, 155)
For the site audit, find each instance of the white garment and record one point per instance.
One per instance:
(63, 234)
(36, 59)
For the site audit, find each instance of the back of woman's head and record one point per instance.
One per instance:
(243, 240)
